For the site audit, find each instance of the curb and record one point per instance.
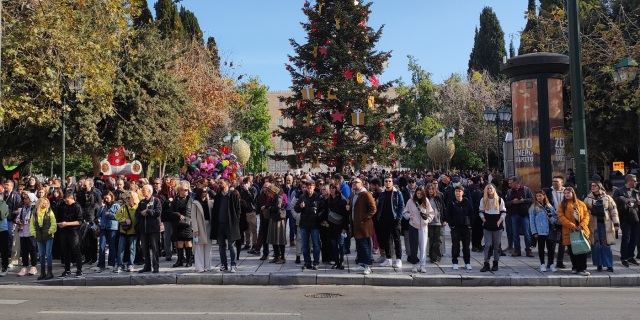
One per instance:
(289, 279)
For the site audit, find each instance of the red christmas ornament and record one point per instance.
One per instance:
(392, 137)
(318, 129)
(389, 55)
(297, 149)
(336, 116)
(323, 51)
(314, 63)
(304, 102)
(380, 124)
(328, 42)
(300, 157)
(282, 112)
(326, 144)
(386, 101)
(293, 122)
(309, 79)
(348, 74)
(314, 30)
(306, 4)
(334, 139)
(277, 159)
(319, 95)
(290, 58)
(273, 134)
(298, 103)
(384, 143)
(351, 160)
(355, 57)
(287, 67)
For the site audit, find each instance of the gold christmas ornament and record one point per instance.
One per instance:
(359, 77)
(242, 150)
(337, 23)
(315, 50)
(308, 92)
(371, 102)
(357, 117)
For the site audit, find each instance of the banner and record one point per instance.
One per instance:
(556, 126)
(526, 138)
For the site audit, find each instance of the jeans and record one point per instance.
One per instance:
(630, 232)
(151, 250)
(601, 254)
(315, 240)
(44, 248)
(110, 237)
(10, 228)
(551, 249)
(460, 234)
(126, 240)
(292, 226)
(520, 224)
(337, 246)
(363, 247)
(223, 235)
(387, 232)
(4, 249)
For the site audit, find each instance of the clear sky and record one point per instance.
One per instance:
(255, 34)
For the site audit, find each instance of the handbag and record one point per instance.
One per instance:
(554, 234)
(579, 243)
(124, 225)
(335, 218)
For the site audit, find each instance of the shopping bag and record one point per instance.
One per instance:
(579, 243)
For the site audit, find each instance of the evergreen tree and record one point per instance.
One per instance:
(145, 16)
(549, 6)
(528, 34)
(212, 47)
(168, 18)
(512, 49)
(489, 47)
(335, 81)
(190, 24)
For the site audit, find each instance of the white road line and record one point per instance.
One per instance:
(2, 301)
(261, 314)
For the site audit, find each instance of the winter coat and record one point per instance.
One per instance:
(361, 214)
(198, 223)
(397, 204)
(566, 218)
(23, 220)
(125, 212)
(539, 219)
(107, 216)
(43, 227)
(233, 212)
(310, 214)
(338, 205)
(621, 197)
(415, 212)
(610, 218)
(457, 211)
(151, 222)
(277, 232)
(182, 228)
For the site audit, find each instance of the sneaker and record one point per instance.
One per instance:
(560, 265)
(314, 267)
(455, 266)
(10, 266)
(65, 274)
(233, 269)
(414, 268)
(397, 264)
(79, 274)
(33, 271)
(367, 271)
(96, 269)
(3, 273)
(543, 268)
(633, 262)
(584, 273)
(553, 268)
(386, 263)
(468, 266)
(131, 268)
(610, 269)
(574, 271)
(359, 268)
(625, 263)
(118, 270)
(423, 269)
(380, 259)
(22, 272)
(223, 268)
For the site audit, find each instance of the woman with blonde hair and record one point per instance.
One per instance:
(180, 213)
(126, 217)
(42, 227)
(492, 213)
(574, 216)
(603, 224)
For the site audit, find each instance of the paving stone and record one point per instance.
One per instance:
(286, 279)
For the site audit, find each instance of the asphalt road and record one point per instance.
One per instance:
(354, 302)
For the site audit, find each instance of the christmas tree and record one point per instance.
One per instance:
(341, 114)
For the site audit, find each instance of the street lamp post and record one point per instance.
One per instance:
(74, 85)
(231, 139)
(627, 70)
(493, 116)
(446, 134)
(261, 157)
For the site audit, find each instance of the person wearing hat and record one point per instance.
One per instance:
(277, 233)
(308, 206)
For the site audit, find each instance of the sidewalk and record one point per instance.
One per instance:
(514, 271)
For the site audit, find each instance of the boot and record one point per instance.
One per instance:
(43, 274)
(516, 253)
(180, 261)
(189, 254)
(495, 266)
(485, 268)
(49, 272)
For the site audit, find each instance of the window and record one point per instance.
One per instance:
(280, 104)
(281, 122)
(281, 143)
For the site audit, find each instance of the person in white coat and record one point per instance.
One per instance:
(200, 215)
(419, 213)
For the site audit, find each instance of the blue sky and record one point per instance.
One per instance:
(254, 34)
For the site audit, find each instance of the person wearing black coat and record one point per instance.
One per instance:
(308, 206)
(148, 214)
(69, 226)
(180, 214)
(225, 224)
(458, 216)
(336, 215)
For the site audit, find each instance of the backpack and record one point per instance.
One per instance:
(597, 208)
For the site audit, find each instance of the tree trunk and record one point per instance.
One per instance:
(95, 161)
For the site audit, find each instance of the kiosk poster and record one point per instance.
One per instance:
(526, 141)
(556, 126)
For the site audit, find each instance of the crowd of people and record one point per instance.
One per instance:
(115, 224)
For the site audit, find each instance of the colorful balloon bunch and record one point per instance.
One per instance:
(210, 163)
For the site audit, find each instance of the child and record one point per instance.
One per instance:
(42, 228)
(542, 219)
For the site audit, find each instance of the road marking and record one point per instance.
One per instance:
(260, 314)
(2, 301)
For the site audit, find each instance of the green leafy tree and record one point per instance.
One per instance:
(168, 19)
(488, 47)
(251, 117)
(340, 64)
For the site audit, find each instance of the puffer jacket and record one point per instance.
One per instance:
(107, 216)
(44, 226)
(310, 215)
